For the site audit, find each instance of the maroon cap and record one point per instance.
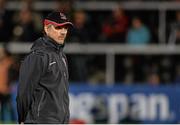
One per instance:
(57, 18)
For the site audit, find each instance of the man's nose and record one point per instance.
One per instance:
(63, 31)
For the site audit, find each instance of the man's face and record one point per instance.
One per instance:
(57, 33)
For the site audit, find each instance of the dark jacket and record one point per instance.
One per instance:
(43, 84)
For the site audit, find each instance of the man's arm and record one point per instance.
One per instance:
(29, 76)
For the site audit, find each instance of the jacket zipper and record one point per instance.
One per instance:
(65, 76)
(64, 65)
(39, 106)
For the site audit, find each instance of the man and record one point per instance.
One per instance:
(43, 82)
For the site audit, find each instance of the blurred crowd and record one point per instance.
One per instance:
(135, 28)
(116, 26)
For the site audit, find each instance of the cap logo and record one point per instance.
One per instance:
(63, 16)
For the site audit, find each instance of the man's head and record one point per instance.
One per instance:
(56, 26)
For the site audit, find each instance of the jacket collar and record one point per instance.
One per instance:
(53, 43)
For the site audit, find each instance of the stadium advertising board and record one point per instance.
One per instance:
(116, 104)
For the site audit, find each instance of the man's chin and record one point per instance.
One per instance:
(60, 41)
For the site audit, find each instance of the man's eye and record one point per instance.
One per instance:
(58, 27)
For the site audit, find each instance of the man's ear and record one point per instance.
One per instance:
(46, 29)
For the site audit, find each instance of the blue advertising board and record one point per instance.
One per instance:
(146, 104)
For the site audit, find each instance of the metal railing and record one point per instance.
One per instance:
(110, 50)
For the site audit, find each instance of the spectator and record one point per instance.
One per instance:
(114, 29)
(138, 33)
(153, 79)
(174, 37)
(5, 63)
(66, 7)
(152, 73)
(24, 29)
(5, 23)
(80, 33)
(37, 16)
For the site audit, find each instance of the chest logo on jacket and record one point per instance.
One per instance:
(52, 63)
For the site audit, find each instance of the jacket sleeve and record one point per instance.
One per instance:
(30, 72)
